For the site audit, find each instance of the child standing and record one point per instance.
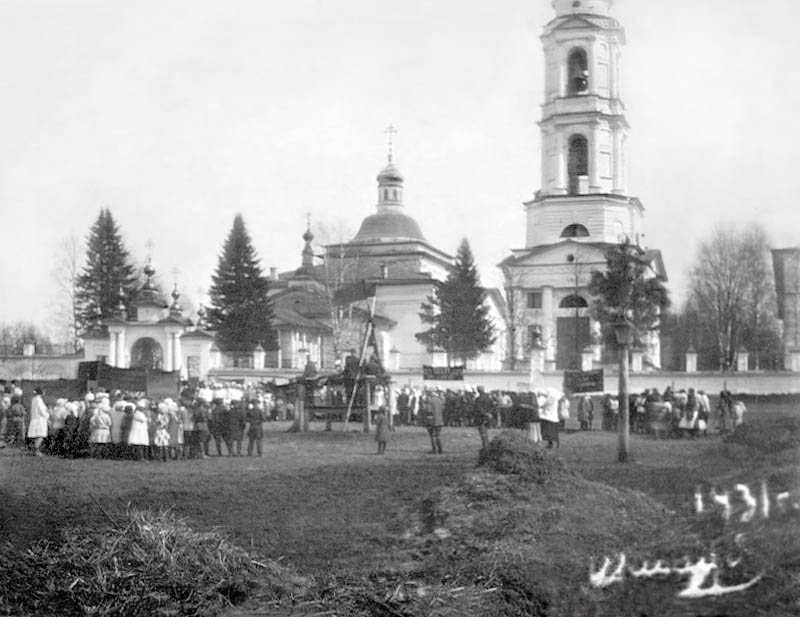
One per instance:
(381, 429)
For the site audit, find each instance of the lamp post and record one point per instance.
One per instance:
(622, 332)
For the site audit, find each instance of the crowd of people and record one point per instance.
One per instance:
(216, 417)
(686, 413)
(123, 425)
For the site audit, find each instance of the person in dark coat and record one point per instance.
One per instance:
(236, 419)
(382, 429)
(15, 422)
(218, 425)
(483, 413)
(432, 406)
(256, 416)
(202, 435)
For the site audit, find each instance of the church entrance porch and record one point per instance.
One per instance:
(147, 353)
(573, 335)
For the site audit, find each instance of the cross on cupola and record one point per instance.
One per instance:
(390, 180)
(391, 131)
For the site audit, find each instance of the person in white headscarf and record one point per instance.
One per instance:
(548, 414)
(100, 434)
(40, 415)
(139, 438)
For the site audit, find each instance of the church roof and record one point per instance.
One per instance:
(388, 227)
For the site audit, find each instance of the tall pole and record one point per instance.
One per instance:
(577, 317)
(624, 416)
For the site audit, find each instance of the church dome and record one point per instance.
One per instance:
(388, 227)
(390, 174)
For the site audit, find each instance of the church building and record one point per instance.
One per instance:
(391, 264)
(583, 207)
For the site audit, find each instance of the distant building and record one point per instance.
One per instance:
(786, 265)
(583, 207)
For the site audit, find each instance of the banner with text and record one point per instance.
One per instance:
(443, 373)
(583, 381)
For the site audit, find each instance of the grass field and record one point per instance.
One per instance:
(327, 505)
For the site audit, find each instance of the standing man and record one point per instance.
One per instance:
(433, 412)
(586, 412)
(482, 415)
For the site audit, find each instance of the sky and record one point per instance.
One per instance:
(178, 115)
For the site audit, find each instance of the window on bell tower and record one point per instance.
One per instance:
(578, 72)
(576, 230)
(578, 163)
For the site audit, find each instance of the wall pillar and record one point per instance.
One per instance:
(121, 350)
(794, 360)
(587, 359)
(742, 361)
(594, 159)
(548, 327)
(176, 352)
(560, 163)
(637, 359)
(111, 358)
(691, 361)
(168, 354)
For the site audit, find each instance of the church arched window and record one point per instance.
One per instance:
(576, 230)
(578, 162)
(577, 72)
(573, 301)
(385, 194)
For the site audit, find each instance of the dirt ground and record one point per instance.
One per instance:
(325, 502)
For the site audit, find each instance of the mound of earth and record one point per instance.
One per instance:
(145, 564)
(521, 535)
(513, 453)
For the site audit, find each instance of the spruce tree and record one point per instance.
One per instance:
(108, 271)
(628, 290)
(457, 312)
(240, 311)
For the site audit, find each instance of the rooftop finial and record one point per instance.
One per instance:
(391, 131)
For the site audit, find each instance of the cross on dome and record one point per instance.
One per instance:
(391, 131)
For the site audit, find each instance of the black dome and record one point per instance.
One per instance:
(388, 226)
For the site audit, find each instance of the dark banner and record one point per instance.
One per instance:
(134, 380)
(69, 389)
(443, 373)
(583, 381)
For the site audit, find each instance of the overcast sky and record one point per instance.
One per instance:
(178, 115)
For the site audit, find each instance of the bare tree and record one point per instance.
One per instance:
(732, 290)
(65, 274)
(340, 269)
(518, 318)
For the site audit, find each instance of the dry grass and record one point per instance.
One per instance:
(144, 564)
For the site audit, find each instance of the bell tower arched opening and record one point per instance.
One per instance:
(578, 164)
(577, 72)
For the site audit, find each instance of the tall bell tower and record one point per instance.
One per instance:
(583, 130)
(582, 206)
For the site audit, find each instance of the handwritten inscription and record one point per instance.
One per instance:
(698, 574)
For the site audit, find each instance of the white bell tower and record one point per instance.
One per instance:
(583, 126)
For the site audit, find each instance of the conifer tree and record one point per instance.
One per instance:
(629, 290)
(108, 270)
(457, 312)
(240, 311)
